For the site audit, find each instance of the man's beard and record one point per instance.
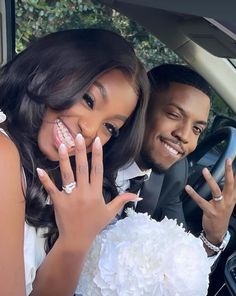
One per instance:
(149, 163)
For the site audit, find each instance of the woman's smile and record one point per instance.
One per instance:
(63, 135)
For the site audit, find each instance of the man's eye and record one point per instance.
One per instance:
(197, 130)
(172, 115)
(114, 131)
(88, 100)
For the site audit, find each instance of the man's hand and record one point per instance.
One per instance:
(217, 211)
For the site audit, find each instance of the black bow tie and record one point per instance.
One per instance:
(135, 185)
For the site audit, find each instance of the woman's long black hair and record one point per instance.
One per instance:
(55, 72)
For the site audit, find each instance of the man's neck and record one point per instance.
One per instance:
(141, 164)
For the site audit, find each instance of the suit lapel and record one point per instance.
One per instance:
(150, 193)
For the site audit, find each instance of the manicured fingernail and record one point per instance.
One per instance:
(79, 139)
(40, 172)
(62, 148)
(138, 199)
(97, 143)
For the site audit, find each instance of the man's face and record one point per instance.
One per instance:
(175, 119)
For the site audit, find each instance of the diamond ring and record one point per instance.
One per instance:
(69, 187)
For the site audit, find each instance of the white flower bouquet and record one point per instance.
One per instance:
(139, 256)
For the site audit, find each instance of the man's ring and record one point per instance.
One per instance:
(218, 198)
(69, 187)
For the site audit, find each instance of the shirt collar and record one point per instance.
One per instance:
(132, 171)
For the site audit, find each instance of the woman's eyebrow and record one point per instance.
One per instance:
(121, 117)
(103, 93)
(102, 90)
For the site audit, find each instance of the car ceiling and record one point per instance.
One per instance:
(202, 33)
(206, 8)
(208, 23)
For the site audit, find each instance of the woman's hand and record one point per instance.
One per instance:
(82, 214)
(217, 211)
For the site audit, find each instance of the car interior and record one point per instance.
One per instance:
(203, 35)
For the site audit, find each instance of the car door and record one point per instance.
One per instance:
(7, 30)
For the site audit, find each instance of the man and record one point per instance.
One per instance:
(173, 129)
(177, 115)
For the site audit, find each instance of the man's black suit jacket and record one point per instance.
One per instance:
(168, 188)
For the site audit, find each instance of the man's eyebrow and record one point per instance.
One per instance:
(102, 89)
(103, 92)
(202, 122)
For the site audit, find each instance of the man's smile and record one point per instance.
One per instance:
(172, 146)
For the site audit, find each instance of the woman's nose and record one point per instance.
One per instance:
(89, 129)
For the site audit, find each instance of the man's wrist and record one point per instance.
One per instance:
(215, 248)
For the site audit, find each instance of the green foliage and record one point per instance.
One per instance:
(35, 18)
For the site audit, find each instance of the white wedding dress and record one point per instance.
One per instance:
(34, 251)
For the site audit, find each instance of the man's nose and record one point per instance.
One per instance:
(183, 132)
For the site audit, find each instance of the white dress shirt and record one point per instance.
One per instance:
(126, 173)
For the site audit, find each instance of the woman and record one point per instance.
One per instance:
(68, 94)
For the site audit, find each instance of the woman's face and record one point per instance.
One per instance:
(102, 111)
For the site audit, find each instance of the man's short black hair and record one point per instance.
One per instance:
(161, 76)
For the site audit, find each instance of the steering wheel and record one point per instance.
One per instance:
(226, 134)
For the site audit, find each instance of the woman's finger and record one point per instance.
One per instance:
(65, 166)
(215, 189)
(118, 203)
(96, 176)
(82, 175)
(47, 184)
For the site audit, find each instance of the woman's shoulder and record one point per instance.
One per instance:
(7, 147)
(10, 168)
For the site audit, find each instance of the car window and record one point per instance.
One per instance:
(36, 18)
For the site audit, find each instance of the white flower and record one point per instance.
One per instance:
(139, 256)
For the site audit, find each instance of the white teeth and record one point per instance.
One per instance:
(172, 150)
(64, 134)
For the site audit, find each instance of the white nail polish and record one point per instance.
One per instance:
(79, 139)
(40, 172)
(62, 148)
(138, 199)
(97, 143)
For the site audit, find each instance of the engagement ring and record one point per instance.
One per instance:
(69, 187)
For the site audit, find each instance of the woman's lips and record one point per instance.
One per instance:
(63, 135)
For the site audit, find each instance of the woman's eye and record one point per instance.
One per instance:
(88, 100)
(114, 131)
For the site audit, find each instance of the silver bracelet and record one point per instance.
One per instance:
(212, 247)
